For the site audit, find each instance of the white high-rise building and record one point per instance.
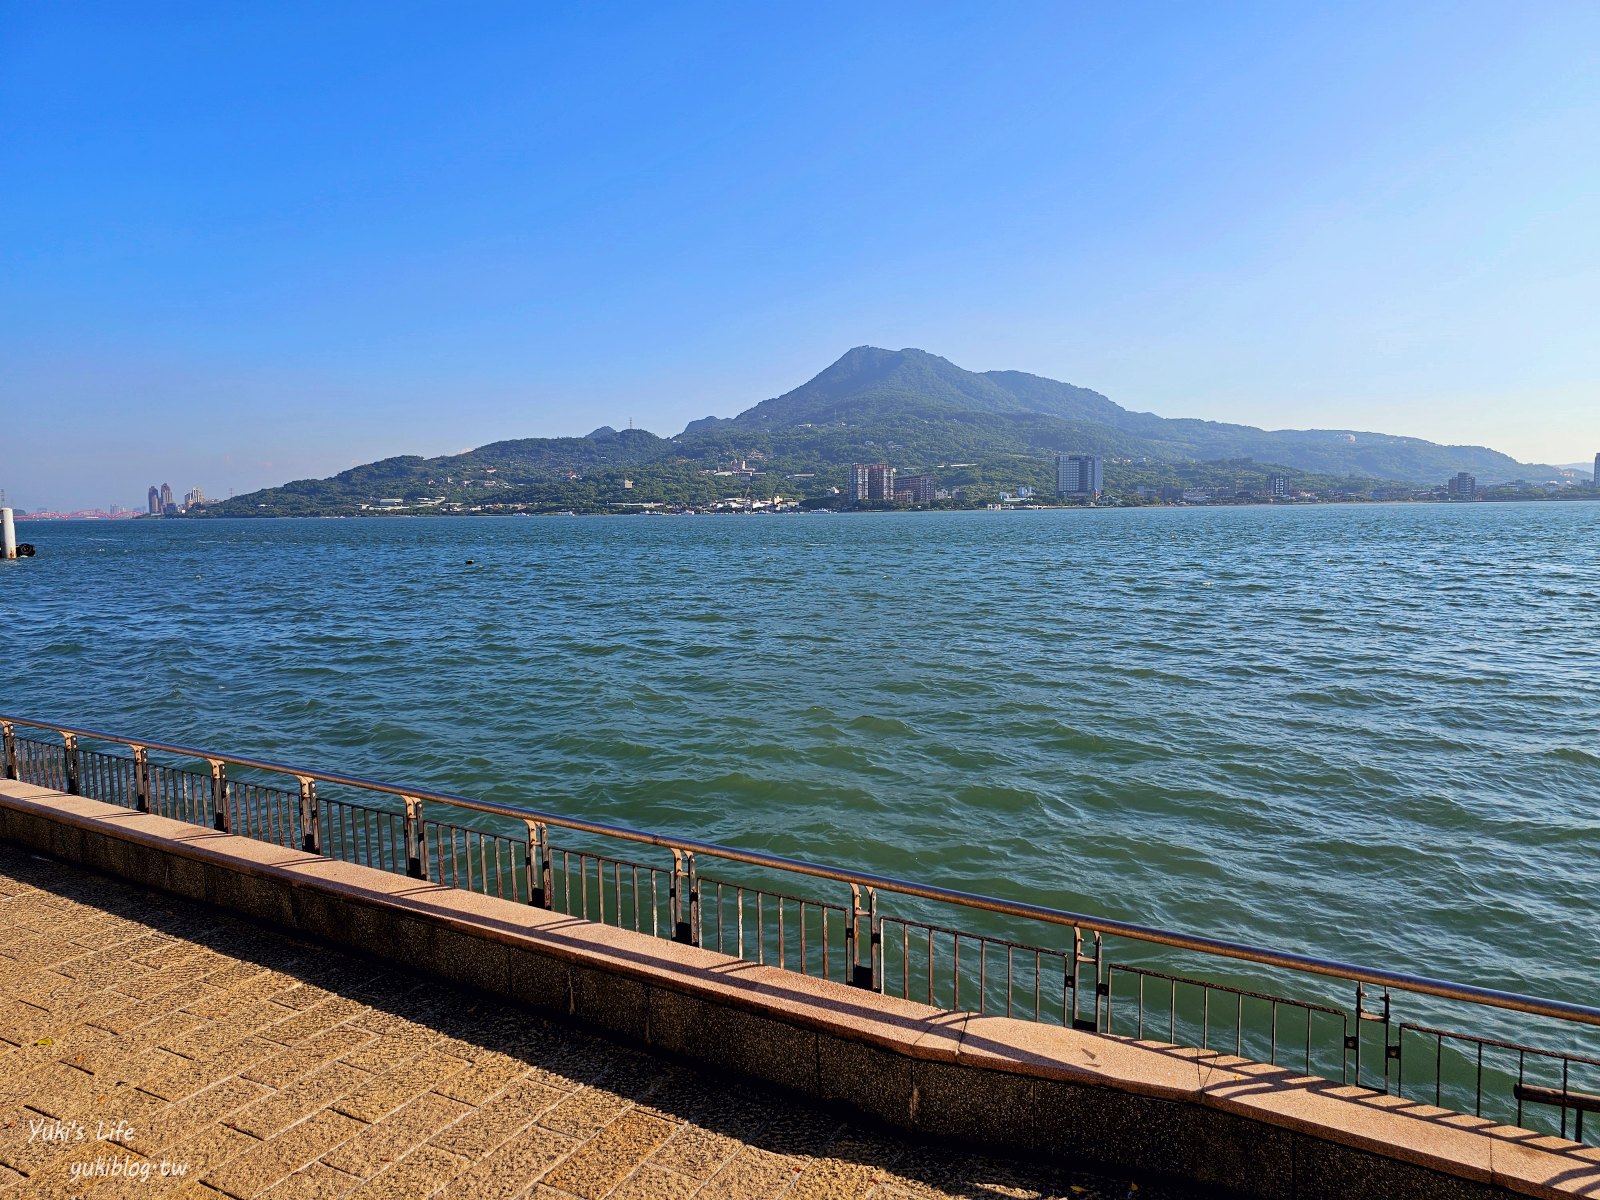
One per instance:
(856, 489)
(871, 481)
(1079, 475)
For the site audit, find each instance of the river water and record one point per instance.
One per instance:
(1370, 732)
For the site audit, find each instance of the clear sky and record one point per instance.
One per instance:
(243, 243)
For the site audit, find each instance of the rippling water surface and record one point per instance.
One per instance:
(1370, 732)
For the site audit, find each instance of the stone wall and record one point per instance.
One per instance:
(1258, 1130)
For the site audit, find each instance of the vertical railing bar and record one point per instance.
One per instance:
(1566, 1086)
(1477, 1107)
(955, 974)
(1522, 1066)
(719, 916)
(1566, 1068)
(805, 961)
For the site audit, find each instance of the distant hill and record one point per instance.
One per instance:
(907, 407)
(869, 384)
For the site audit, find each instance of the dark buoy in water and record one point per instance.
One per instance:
(469, 562)
(25, 550)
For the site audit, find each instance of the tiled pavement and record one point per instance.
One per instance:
(141, 1034)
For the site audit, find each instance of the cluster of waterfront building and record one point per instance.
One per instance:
(162, 503)
(880, 481)
(1080, 476)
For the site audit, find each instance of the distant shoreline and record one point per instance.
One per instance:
(1348, 502)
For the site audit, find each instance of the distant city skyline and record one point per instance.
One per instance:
(250, 246)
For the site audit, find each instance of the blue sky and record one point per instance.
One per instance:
(246, 243)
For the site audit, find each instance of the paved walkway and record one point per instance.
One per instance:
(149, 1046)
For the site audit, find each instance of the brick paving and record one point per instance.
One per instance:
(150, 1046)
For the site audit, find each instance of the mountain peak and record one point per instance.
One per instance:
(905, 406)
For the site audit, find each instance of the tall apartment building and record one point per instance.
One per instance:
(1278, 487)
(155, 500)
(1597, 470)
(1079, 475)
(870, 481)
(1463, 487)
(880, 482)
(919, 485)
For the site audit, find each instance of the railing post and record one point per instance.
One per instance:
(866, 976)
(685, 898)
(1352, 1041)
(536, 866)
(416, 839)
(8, 750)
(141, 779)
(1391, 1051)
(1101, 988)
(69, 745)
(310, 817)
(220, 819)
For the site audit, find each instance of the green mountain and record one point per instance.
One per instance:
(868, 385)
(982, 430)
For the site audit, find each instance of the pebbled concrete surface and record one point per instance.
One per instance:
(152, 1047)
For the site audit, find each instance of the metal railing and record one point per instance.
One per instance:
(1060, 973)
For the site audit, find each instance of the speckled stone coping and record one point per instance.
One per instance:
(232, 1061)
(1140, 1106)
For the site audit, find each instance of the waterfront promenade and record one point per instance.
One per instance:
(260, 1064)
(150, 993)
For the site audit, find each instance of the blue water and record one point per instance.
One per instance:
(1371, 732)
